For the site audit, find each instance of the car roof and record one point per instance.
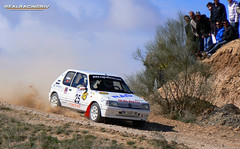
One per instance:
(88, 72)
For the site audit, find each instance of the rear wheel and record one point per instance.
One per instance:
(54, 102)
(95, 113)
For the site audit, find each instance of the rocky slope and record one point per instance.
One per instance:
(225, 64)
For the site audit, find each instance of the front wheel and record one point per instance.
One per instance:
(95, 113)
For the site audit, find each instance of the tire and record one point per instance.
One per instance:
(54, 102)
(95, 113)
(139, 124)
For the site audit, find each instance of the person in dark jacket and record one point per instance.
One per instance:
(209, 6)
(218, 12)
(203, 31)
(228, 35)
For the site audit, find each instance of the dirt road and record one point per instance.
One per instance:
(191, 135)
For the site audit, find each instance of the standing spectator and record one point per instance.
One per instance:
(191, 38)
(188, 26)
(233, 15)
(203, 31)
(209, 6)
(193, 22)
(218, 12)
(238, 8)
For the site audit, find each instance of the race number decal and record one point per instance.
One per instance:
(77, 98)
(84, 95)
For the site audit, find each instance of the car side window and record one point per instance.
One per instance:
(117, 85)
(80, 80)
(68, 78)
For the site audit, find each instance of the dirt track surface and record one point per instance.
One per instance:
(191, 135)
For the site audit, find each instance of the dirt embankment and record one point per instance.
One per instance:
(225, 64)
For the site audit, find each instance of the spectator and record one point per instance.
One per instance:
(193, 22)
(219, 37)
(220, 31)
(233, 15)
(228, 35)
(203, 31)
(238, 8)
(191, 38)
(218, 12)
(188, 26)
(209, 6)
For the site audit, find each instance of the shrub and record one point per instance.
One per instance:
(173, 78)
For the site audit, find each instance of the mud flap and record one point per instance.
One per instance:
(87, 113)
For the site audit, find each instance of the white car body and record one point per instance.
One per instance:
(115, 100)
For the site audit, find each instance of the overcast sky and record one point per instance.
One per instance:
(99, 35)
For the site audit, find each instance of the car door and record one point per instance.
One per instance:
(66, 83)
(78, 92)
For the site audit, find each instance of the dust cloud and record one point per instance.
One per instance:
(28, 96)
(25, 95)
(25, 80)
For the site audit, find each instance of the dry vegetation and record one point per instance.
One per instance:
(23, 128)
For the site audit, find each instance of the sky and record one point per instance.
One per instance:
(98, 35)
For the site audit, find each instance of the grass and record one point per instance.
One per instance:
(15, 134)
(103, 130)
(5, 108)
(85, 131)
(131, 143)
(124, 135)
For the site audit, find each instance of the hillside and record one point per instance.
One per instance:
(225, 64)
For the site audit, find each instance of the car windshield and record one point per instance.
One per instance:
(108, 83)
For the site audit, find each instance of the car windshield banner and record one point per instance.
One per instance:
(105, 77)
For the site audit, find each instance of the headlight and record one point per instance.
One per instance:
(112, 103)
(146, 106)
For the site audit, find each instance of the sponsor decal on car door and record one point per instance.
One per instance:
(65, 88)
(78, 92)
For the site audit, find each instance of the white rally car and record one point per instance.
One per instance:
(99, 95)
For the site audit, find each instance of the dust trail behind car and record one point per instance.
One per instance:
(29, 96)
